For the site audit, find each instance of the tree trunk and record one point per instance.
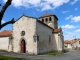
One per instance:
(7, 4)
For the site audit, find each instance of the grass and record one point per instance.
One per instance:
(9, 58)
(52, 53)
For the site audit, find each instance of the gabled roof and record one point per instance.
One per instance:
(5, 33)
(34, 18)
(55, 30)
(25, 16)
(47, 15)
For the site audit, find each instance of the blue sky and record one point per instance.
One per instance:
(67, 12)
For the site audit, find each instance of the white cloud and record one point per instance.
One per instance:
(73, 18)
(4, 0)
(69, 17)
(76, 19)
(75, 1)
(40, 4)
(67, 26)
(77, 30)
(57, 3)
(3, 21)
(69, 35)
(46, 7)
(65, 11)
(25, 3)
(76, 8)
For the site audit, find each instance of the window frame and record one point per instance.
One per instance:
(42, 20)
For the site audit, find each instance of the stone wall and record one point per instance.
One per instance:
(58, 41)
(28, 25)
(44, 42)
(55, 42)
(52, 23)
(4, 43)
(76, 45)
(61, 40)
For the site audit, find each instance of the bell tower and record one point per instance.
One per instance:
(50, 19)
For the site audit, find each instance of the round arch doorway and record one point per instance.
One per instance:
(23, 46)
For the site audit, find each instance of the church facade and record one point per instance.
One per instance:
(36, 36)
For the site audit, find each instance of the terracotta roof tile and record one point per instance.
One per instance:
(5, 33)
(69, 41)
(73, 41)
(46, 15)
(55, 30)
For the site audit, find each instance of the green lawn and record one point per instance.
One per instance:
(52, 53)
(9, 58)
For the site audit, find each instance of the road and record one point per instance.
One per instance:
(71, 55)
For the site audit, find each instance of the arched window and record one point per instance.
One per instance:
(46, 19)
(42, 20)
(50, 19)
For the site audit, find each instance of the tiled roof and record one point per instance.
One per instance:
(55, 30)
(69, 41)
(46, 15)
(5, 33)
(73, 41)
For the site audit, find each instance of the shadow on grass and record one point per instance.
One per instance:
(1, 59)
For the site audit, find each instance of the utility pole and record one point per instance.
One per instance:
(75, 41)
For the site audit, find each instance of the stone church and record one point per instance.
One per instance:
(36, 36)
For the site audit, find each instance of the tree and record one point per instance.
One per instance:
(77, 39)
(7, 4)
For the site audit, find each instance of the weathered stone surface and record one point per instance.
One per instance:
(29, 26)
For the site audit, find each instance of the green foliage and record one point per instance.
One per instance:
(77, 39)
(9, 58)
(65, 46)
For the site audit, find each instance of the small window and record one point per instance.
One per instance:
(42, 20)
(50, 19)
(46, 19)
(79, 42)
(56, 25)
(37, 38)
(22, 33)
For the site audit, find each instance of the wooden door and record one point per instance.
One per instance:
(22, 46)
